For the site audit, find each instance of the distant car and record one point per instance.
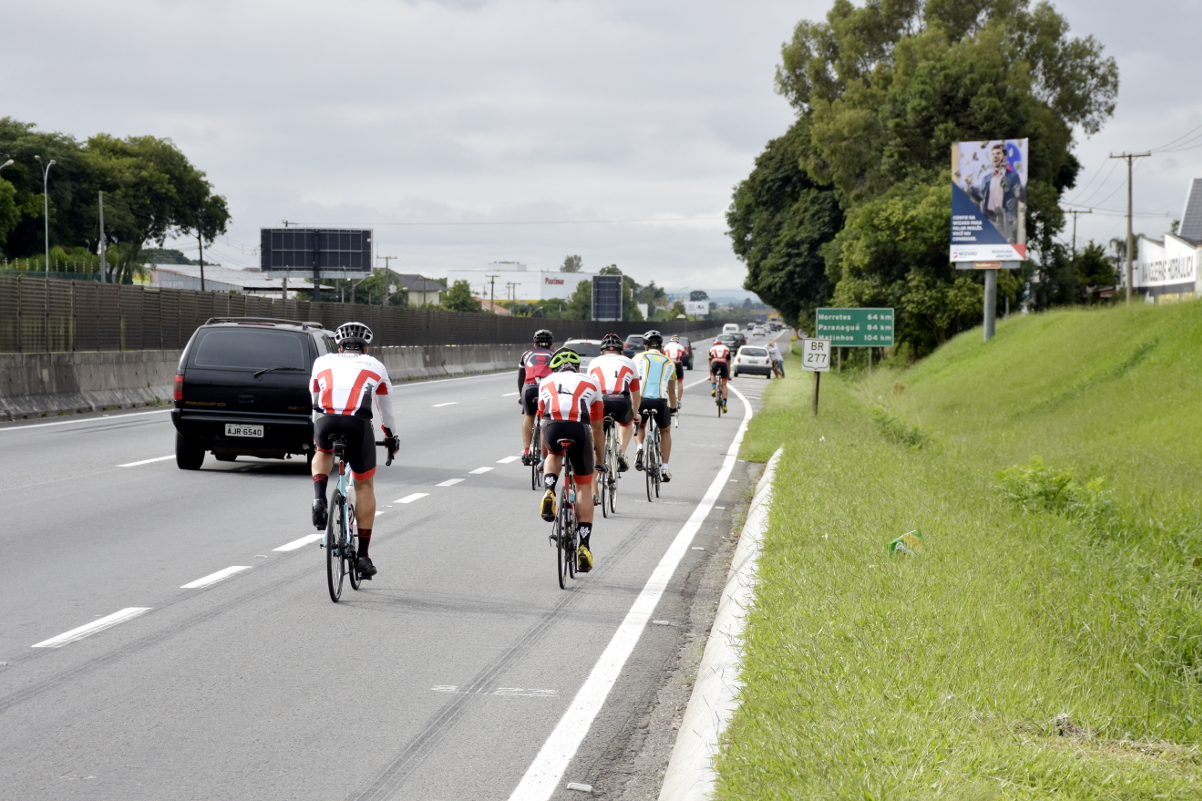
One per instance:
(688, 352)
(751, 326)
(759, 331)
(633, 344)
(587, 348)
(732, 341)
(242, 388)
(752, 359)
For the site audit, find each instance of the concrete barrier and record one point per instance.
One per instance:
(42, 384)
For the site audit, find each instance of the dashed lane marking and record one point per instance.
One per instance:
(411, 498)
(103, 623)
(213, 578)
(448, 403)
(479, 470)
(301, 543)
(147, 461)
(509, 395)
(508, 459)
(450, 482)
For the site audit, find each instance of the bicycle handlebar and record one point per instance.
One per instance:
(390, 453)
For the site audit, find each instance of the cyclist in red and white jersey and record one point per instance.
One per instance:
(719, 357)
(572, 408)
(618, 378)
(676, 352)
(343, 387)
(534, 366)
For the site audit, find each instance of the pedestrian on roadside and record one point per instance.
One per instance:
(778, 361)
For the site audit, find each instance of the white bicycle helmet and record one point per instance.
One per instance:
(353, 336)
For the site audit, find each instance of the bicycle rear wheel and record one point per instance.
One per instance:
(536, 451)
(649, 466)
(658, 465)
(334, 566)
(352, 547)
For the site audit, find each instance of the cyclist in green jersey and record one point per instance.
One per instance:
(657, 374)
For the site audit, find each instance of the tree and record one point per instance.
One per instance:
(571, 264)
(882, 92)
(459, 298)
(1094, 269)
(580, 305)
(779, 221)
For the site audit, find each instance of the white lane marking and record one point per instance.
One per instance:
(147, 461)
(213, 578)
(85, 420)
(508, 691)
(103, 623)
(479, 470)
(450, 482)
(544, 774)
(411, 498)
(510, 394)
(448, 403)
(508, 459)
(301, 543)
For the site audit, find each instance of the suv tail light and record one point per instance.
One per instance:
(178, 393)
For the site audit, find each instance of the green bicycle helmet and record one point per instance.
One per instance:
(565, 359)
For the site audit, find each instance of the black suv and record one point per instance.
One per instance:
(242, 388)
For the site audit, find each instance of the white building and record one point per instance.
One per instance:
(1168, 270)
(510, 280)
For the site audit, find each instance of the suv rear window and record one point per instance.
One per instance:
(251, 349)
(586, 349)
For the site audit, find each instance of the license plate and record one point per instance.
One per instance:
(243, 430)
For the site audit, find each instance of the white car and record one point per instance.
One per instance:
(587, 348)
(759, 331)
(752, 359)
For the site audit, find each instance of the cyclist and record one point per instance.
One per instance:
(571, 406)
(343, 386)
(719, 357)
(618, 378)
(534, 366)
(659, 398)
(676, 352)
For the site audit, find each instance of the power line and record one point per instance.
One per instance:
(538, 222)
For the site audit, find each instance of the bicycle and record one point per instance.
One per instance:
(342, 531)
(718, 396)
(536, 452)
(565, 534)
(607, 482)
(651, 456)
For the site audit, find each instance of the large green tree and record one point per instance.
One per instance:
(459, 298)
(882, 91)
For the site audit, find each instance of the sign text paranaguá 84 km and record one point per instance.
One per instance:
(855, 328)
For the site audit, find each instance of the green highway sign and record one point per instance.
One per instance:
(855, 328)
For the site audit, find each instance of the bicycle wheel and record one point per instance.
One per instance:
(570, 533)
(334, 549)
(352, 547)
(536, 451)
(611, 477)
(561, 565)
(649, 466)
(659, 459)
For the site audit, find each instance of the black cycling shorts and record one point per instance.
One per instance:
(720, 369)
(529, 399)
(657, 407)
(360, 440)
(620, 408)
(679, 371)
(580, 454)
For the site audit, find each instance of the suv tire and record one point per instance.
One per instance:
(188, 454)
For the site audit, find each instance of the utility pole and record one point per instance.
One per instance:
(492, 291)
(384, 280)
(1076, 212)
(1130, 242)
(103, 264)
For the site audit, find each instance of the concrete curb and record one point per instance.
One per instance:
(690, 775)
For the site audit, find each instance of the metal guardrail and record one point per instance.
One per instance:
(42, 315)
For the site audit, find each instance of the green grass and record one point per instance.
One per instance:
(1048, 643)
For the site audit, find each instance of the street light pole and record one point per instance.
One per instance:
(46, 207)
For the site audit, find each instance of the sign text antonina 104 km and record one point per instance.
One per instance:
(855, 328)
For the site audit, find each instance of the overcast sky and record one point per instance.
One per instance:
(425, 119)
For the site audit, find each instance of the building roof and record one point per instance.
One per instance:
(412, 282)
(243, 279)
(1191, 217)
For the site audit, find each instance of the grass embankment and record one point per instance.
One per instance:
(1048, 643)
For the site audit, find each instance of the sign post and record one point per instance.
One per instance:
(816, 357)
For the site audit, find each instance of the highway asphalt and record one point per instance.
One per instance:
(167, 634)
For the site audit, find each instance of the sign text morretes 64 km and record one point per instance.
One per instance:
(855, 328)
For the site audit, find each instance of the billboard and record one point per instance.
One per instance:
(989, 201)
(698, 308)
(607, 297)
(298, 252)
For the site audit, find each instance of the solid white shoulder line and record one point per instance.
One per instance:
(690, 775)
(543, 776)
(103, 623)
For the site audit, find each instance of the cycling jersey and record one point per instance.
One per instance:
(675, 351)
(719, 353)
(570, 396)
(656, 371)
(345, 383)
(534, 366)
(614, 373)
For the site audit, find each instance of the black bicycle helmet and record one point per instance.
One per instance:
(653, 339)
(611, 342)
(353, 336)
(543, 338)
(565, 359)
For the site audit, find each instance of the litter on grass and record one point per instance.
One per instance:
(909, 543)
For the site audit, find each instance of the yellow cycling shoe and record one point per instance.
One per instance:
(584, 559)
(547, 507)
